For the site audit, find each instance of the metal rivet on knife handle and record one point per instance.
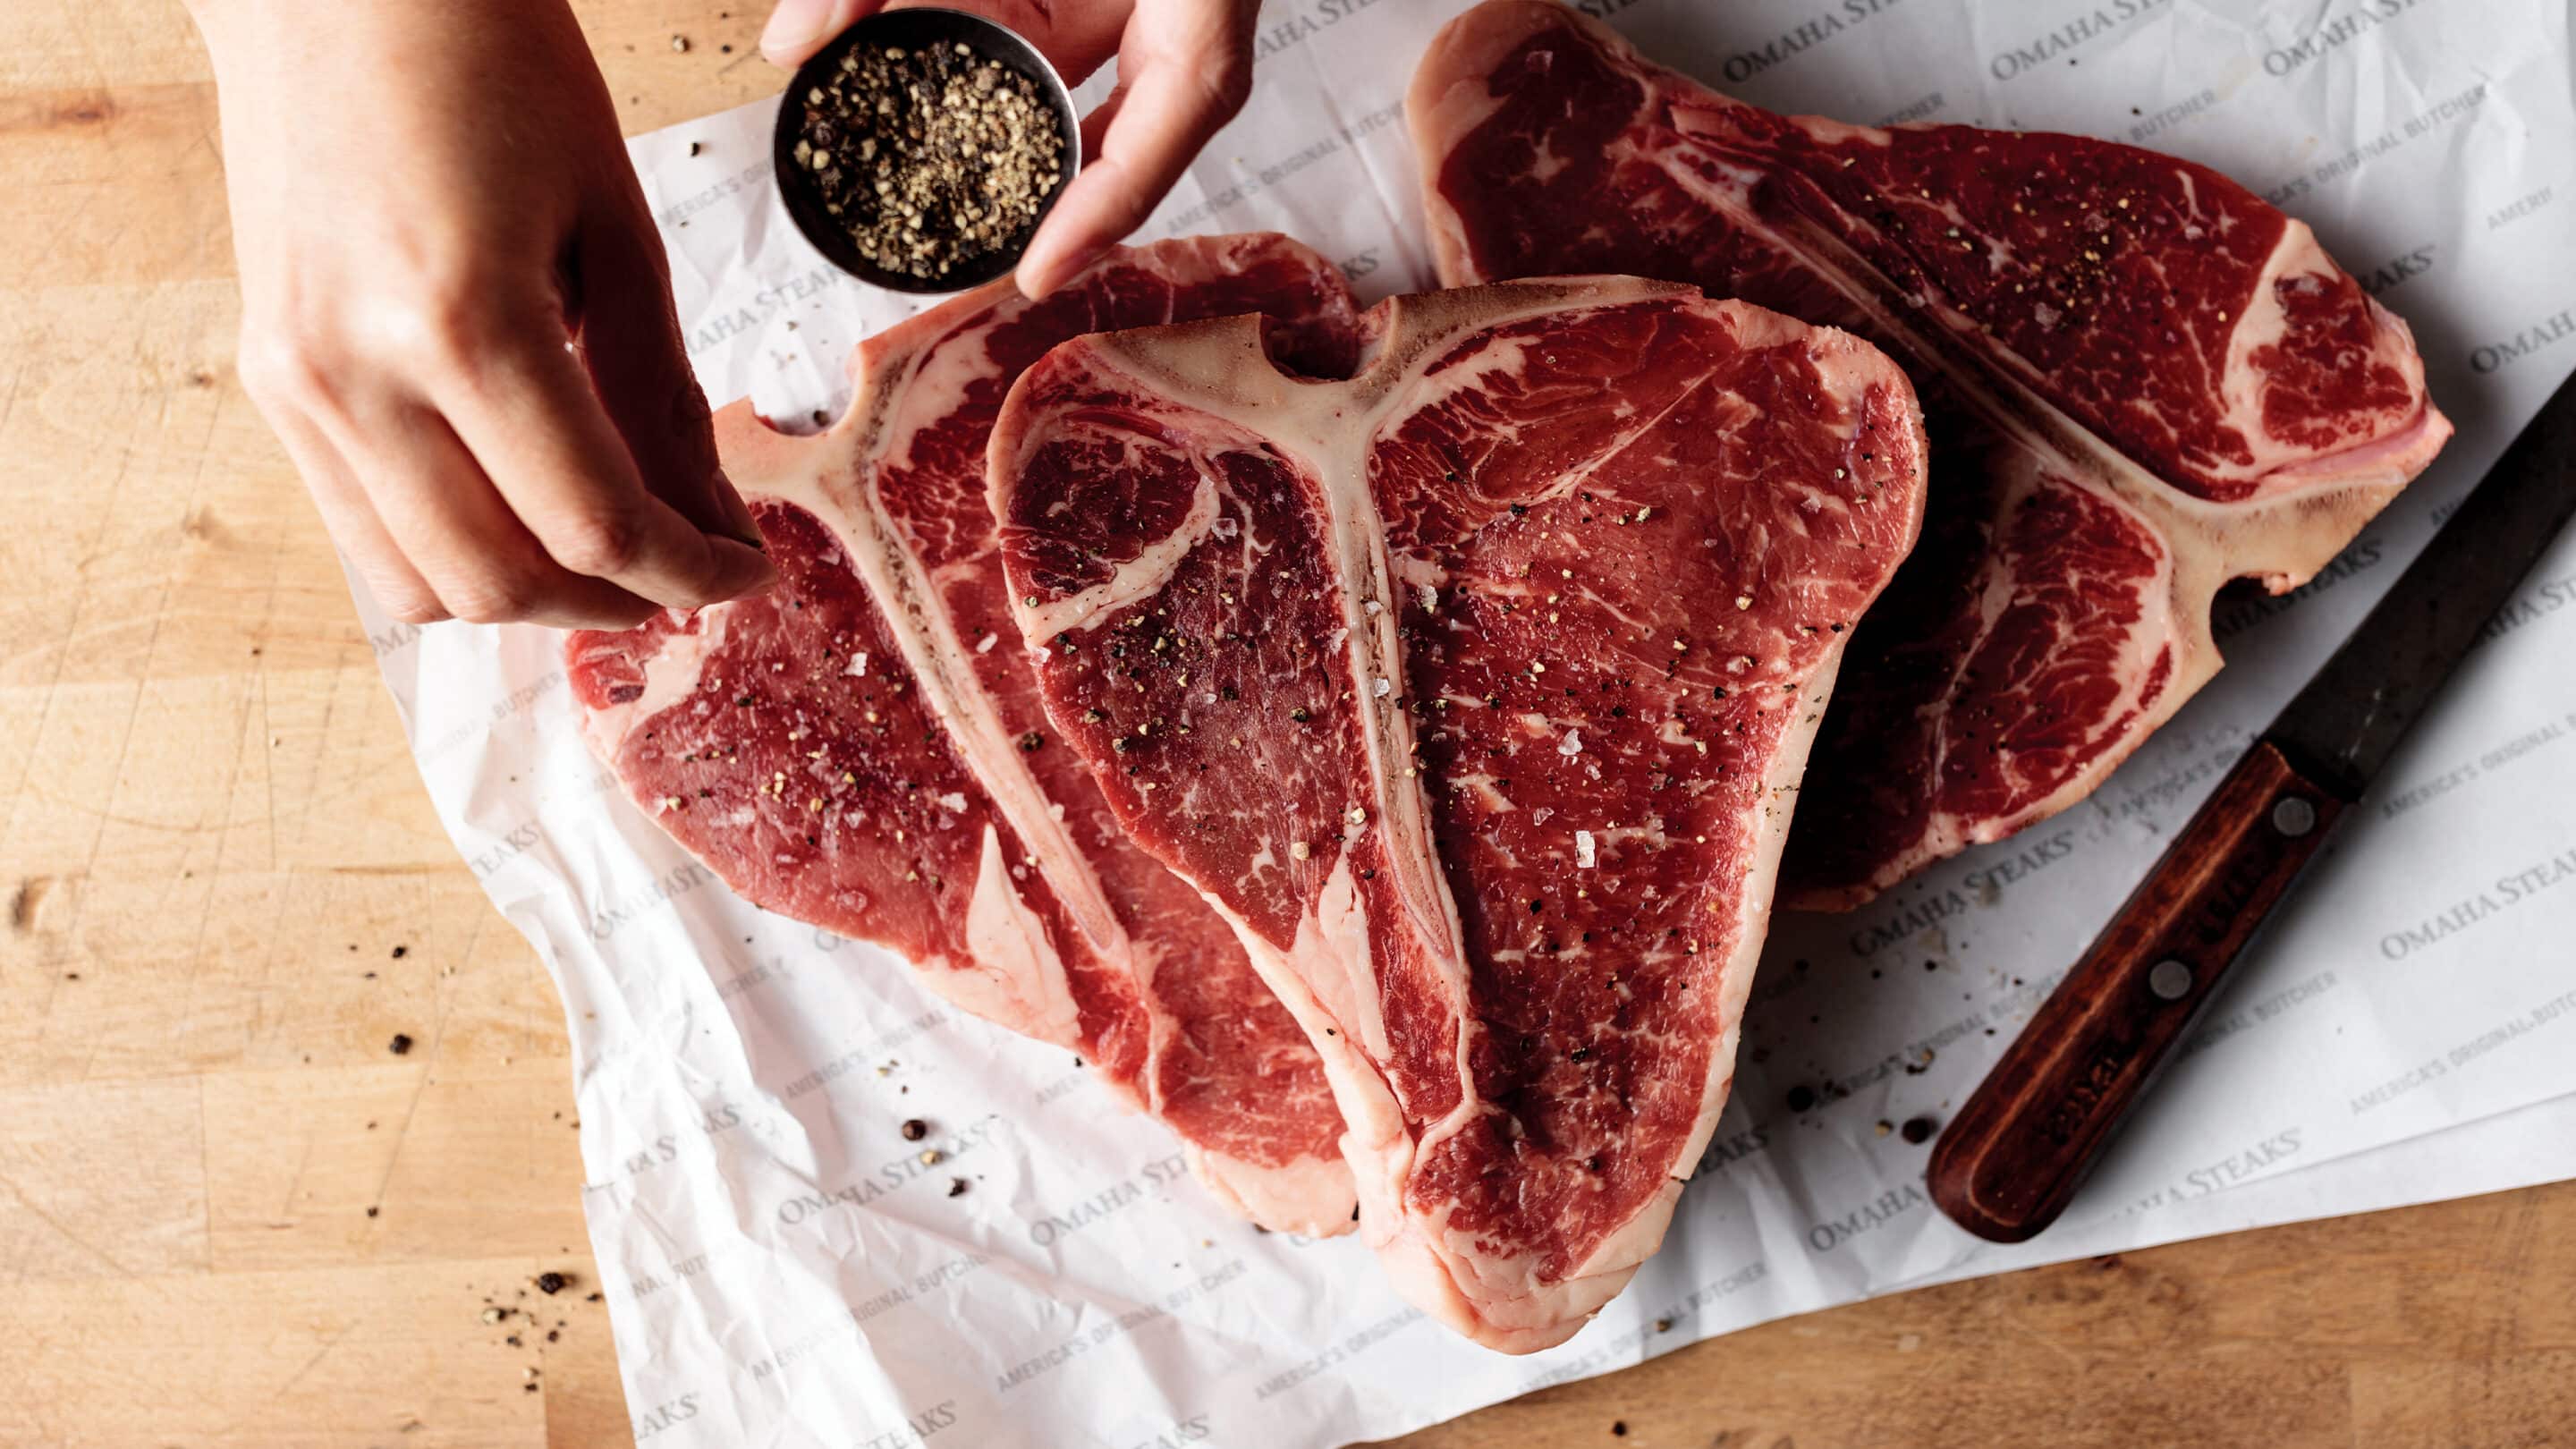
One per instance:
(2170, 979)
(2294, 817)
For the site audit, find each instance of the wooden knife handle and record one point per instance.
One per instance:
(2011, 1160)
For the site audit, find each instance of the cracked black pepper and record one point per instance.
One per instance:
(930, 157)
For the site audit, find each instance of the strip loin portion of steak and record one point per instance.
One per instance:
(863, 748)
(2140, 380)
(1475, 690)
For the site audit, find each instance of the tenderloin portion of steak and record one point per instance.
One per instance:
(862, 747)
(2140, 380)
(1475, 691)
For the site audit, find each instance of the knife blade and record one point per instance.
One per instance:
(2012, 1159)
(2346, 723)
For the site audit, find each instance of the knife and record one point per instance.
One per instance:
(2012, 1159)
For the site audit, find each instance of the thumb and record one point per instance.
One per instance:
(629, 339)
(798, 28)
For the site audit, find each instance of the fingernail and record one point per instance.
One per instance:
(739, 524)
(1052, 261)
(1038, 278)
(794, 25)
(758, 575)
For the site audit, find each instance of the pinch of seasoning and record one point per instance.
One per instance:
(956, 1187)
(929, 1156)
(930, 159)
(915, 1129)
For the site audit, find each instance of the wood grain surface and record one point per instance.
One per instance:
(230, 1215)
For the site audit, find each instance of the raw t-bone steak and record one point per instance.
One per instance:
(2141, 382)
(1475, 690)
(863, 748)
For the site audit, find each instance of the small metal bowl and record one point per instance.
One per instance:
(915, 28)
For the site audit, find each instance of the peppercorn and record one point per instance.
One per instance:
(930, 158)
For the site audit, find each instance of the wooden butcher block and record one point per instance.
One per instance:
(233, 1214)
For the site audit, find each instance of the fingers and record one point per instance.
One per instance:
(798, 28)
(553, 454)
(369, 551)
(461, 537)
(1075, 37)
(1095, 127)
(392, 458)
(629, 339)
(1192, 71)
(411, 273)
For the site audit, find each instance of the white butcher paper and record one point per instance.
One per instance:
(784, 1269)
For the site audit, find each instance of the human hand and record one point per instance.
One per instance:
(1184, 69)
(457, 313)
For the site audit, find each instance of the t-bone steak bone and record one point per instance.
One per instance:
(1475, 690)
(863, 748)
(2140, 380)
